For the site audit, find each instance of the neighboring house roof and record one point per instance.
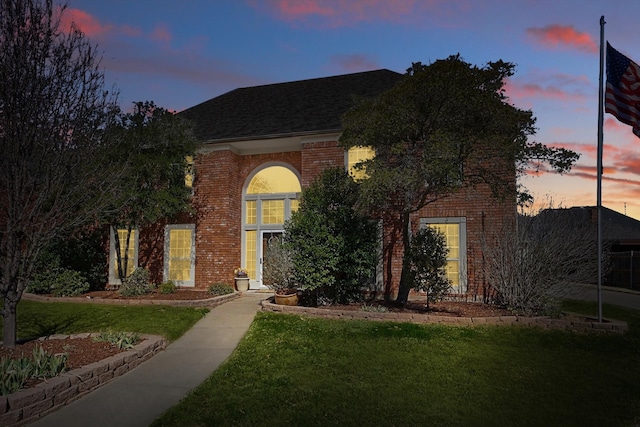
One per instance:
(285, 109)
(616, 227)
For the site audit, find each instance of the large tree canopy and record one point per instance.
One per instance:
(155, 147)
(55, 171)
(445, 126)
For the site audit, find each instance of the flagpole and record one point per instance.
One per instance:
(599, 167)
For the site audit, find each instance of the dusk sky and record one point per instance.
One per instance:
(181, 53)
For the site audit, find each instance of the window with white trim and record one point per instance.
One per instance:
(455, 232)
(270, 196)
(131, 250)
(179, 254)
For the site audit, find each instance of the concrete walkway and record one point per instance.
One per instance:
(615, 296)
(143, 394)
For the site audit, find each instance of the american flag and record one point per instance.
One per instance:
(622, 98)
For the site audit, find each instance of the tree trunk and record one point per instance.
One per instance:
(405, 278)
(10, 323)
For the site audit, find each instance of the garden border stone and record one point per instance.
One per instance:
(27, 405)
(608, 326)
(209, 302)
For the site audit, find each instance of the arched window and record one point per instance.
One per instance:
(269, 198)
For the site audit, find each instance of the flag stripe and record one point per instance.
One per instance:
(622, 96)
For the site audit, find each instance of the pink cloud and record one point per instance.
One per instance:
(544, 85)
(563, 35)
(334, 13)
(88, 24)
(354, 63)
(161, 33)
(293, 9)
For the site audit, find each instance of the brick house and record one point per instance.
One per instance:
(259, 147)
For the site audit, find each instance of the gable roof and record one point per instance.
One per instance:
(285, 109)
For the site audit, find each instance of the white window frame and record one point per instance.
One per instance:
(167, 233)
(259, 227)
(113, 279)
(462, 222)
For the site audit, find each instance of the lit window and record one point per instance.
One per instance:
(188, 174)
(270, 197)
(273, 211)
(251, 253)
(251, 212)
(454, 230)
(275, 179)
(357, 155)
(179, 254)
(131, 251)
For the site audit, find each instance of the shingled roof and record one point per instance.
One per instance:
(285, 109)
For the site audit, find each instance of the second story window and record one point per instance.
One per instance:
(356, 155)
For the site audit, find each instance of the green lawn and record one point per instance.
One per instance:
(291, 370)
(37, 319)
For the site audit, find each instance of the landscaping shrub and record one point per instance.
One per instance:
(69, 283)
(220, 289)
(59, 282)
(528, 268)
(122, 340)
(137, 283)
(334, 248)
(84, 252)
(428, 264)
(14, 373)
(277, 270)
(167, 287)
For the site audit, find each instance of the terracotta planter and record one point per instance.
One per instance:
(288, 299)
(242, 284)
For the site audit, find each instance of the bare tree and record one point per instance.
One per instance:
(529, 270)
(55, 118)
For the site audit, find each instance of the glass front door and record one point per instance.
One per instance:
(265, 237)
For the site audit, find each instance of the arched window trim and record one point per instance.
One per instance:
(258, 227)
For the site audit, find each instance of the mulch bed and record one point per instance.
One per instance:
(80, 351)
(442, 308)
(178, 295)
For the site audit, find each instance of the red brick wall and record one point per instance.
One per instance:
(220, 177)
(219, 180)
(317, 156)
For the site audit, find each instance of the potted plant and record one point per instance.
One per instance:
(277, 272)
(241, 277)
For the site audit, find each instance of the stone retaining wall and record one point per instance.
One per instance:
(209, 302)
(608, 326)
(27, 405)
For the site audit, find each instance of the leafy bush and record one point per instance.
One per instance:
(84, 253)
(167, 287)
(122, 340)
(220, 289)
(428, 264)
(40, 284)
(69, 283)
(59, 282)
(137, 283)
(333, 246)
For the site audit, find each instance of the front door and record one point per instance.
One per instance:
(265, 236)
